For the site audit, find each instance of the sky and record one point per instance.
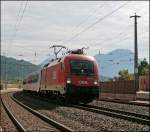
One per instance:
(28, 29)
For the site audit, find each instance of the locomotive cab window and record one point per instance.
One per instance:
(82, 67)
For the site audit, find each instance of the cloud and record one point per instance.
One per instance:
(46, 23)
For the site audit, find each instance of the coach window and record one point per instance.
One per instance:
(34, 78)
(24, 82)
(29, 81)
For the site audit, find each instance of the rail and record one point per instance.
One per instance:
(126, 102)
(135, 117)
(17, 124)
(139, 118)
(44, 118)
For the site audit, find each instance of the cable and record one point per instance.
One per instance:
(99, 20)
(17, 26)
(21, 5)
(116, 63)
(116, 37)
(19, 11)
(20, 20)
(120, 40)
(88, 17)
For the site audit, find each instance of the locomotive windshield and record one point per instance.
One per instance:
(82, 67)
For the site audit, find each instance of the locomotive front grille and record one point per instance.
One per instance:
(82, 90)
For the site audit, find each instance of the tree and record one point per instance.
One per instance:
(124, 75)
(143, 67)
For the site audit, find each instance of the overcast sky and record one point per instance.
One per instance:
(74, 24)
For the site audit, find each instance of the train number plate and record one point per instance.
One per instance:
(83, 82)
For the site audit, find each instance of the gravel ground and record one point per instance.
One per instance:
(49, 110)
(27, 119)
(5, 122)
(119, 106)
(82, 120)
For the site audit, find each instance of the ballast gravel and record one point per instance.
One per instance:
(126, 107)
(29, 121)
(5, 122)
(81, 120)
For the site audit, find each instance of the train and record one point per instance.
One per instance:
(74, 75)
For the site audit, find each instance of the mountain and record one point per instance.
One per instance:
(111, 63)
(15, 69)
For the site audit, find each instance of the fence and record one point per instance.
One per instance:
(123, 90)
(144, 82)
(2, 86)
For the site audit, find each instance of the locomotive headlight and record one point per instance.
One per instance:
(68, 80)
(95, 82)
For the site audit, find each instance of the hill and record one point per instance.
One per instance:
(15, 69)
(111, 63)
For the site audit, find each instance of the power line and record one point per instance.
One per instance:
(86, 19)
(21, 6)
(99, 20)
(119, 40)
(20, 20)
(112, 38)
(131, 60)
(17, 24)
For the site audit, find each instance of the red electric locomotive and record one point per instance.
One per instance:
(74, 75)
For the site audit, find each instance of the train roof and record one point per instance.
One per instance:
(80, 56)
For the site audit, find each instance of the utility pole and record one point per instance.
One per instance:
(136, 76)
(5, 71)
(20, 72)
(99, 52)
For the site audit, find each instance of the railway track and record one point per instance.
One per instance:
(130, 116)
(139, 118)
(126, 102)
(17, 124)
(20, 127)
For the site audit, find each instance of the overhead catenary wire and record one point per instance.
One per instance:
(109, 40)
(123, 39)
(19, 21)
(112, 38)
(27, 47)
(17, 25)
(131, 60)
(105, 40)
(98, 21)
(87, 18)
(13, 36)
(21, 6)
